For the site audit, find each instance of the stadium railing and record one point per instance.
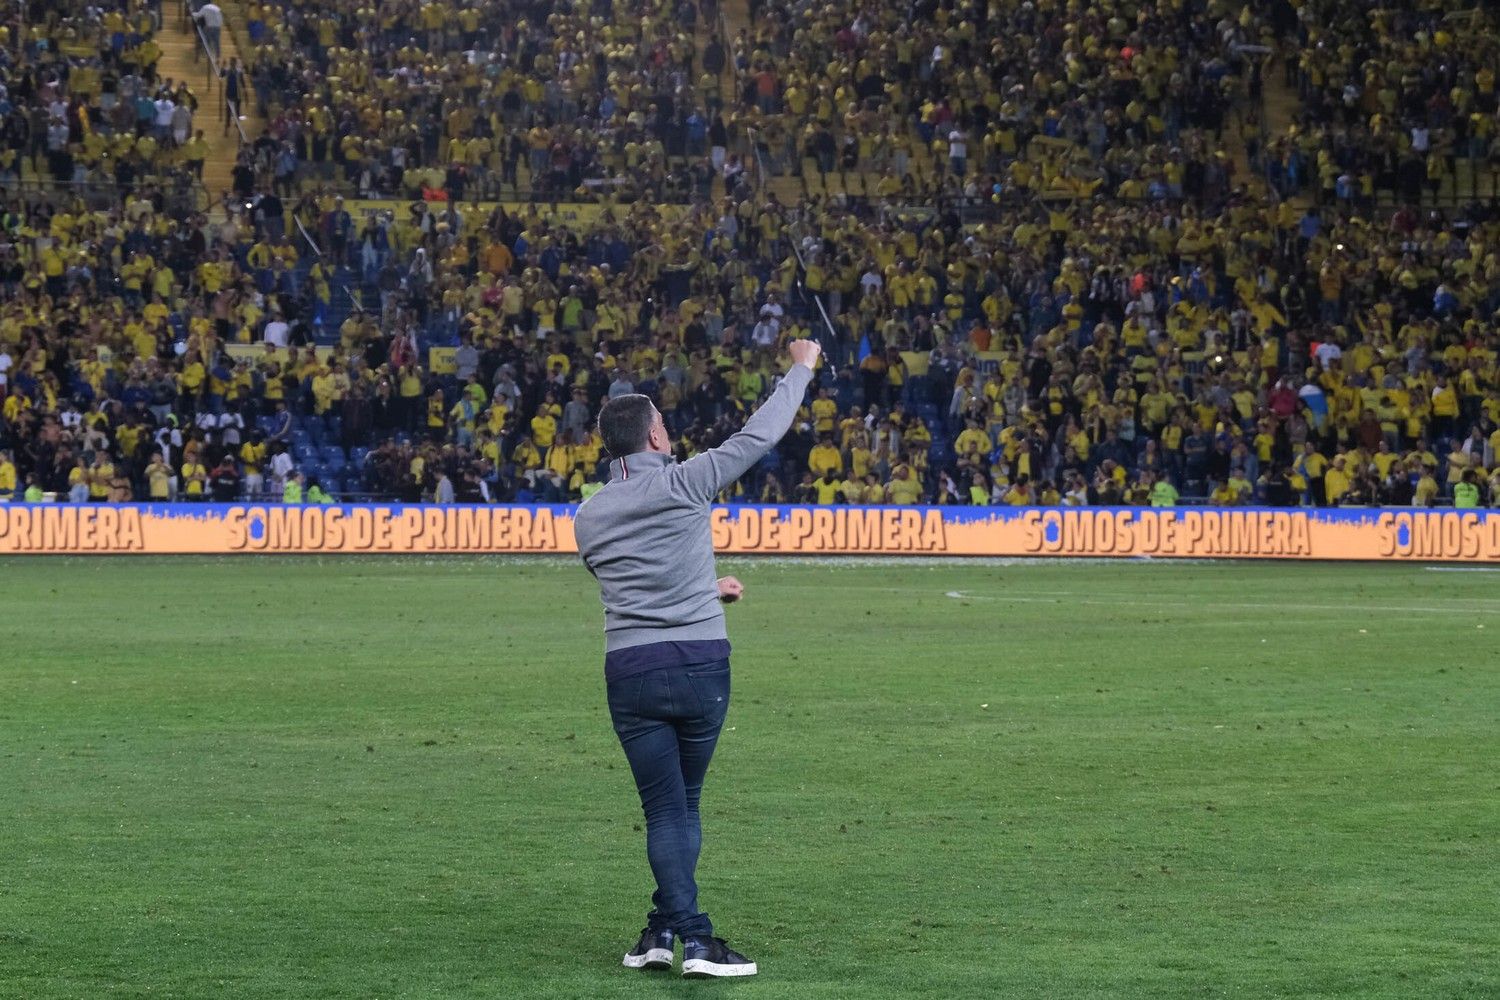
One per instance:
(180, 194)
(795, 232)
(795, 237)
(229, 111)
(749, 148)
(762, 174)
(212, 73)
(232, 114)
(312, 244)
(352, 191)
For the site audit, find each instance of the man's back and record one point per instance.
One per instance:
(646, 537)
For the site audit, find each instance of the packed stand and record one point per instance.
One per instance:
(1397, 100)
(1067, 351)
(82, 103)
(158, 358)
(1100, 353)
(578, 101)
(998, 100)
(1262, 354)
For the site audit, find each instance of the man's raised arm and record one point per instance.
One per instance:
(704, 476)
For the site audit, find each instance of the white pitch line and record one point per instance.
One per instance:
(1214, 606)
(1485, 601)
(1462, 569)
(1081, 597)
(1061, 597)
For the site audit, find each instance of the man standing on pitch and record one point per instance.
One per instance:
(645, 537)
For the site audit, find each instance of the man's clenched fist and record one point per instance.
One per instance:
(805, 352)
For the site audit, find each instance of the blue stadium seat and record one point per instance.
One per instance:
(315, 431)
(920, 389)
(357, 456)
(333, 460)
(301, 437)
(303, 452)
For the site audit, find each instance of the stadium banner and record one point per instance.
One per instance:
(1182, 532)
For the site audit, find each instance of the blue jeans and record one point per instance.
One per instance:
(668, 721)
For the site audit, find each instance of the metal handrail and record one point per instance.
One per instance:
(233, 26)
(817, 299)
(230, 110)
(312, 243)
(794, 238)
(734, 67)
(213, 63)
(739, 84)
(234, 116)
(762, 173)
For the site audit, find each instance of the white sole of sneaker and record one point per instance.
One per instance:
(655, 958)
(697, 968)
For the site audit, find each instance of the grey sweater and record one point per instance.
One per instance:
(645, 536)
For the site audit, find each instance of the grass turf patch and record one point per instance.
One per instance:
(266, 777)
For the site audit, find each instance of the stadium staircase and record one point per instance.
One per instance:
(183, 58)
(706, 29)
(1281, 105)
(734, 17)
(1278, 101)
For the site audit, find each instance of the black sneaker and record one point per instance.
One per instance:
(704, 958)
(652, 951)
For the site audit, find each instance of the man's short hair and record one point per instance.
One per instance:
(625, 423)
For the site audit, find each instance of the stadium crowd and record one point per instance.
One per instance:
(976, 99)
(1396, 99)
(85, 104)
(568, 101)
(1110, 318)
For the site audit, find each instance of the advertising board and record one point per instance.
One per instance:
(1181, 532)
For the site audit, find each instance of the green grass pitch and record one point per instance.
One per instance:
(304, 778)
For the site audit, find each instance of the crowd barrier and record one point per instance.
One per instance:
(1184, 532)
